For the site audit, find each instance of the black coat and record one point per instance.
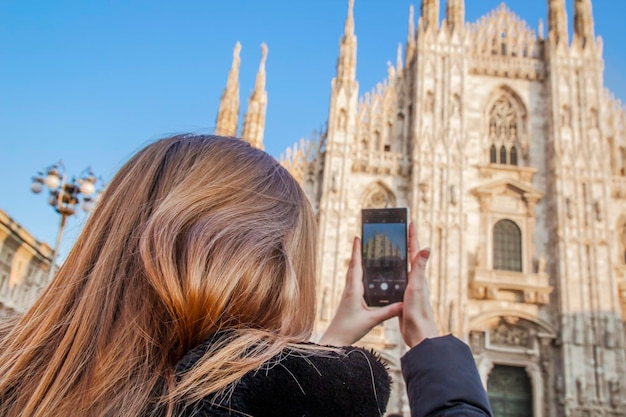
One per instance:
(442, 380)
(352, 382)
(440, 374)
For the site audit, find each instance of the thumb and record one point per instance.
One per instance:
(387, 312)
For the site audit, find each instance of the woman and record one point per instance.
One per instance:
(191, 291)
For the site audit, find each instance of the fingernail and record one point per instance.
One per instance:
(425, 253)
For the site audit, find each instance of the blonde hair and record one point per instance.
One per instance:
(195, 235)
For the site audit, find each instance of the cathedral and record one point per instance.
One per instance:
(511, 156)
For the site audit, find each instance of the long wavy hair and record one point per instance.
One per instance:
(195, 235)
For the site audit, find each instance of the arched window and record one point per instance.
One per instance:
(507, 246)
(503, 131)
(493, 155)
(513, 158)
(502, 155)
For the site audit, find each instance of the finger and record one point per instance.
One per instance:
(418, 267)
(422, 258)
(413, 243)
(355, 269)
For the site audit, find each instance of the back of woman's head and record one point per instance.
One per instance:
(228, 242)
(195, 235)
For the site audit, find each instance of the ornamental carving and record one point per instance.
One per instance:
(506, 334)
(503, 45)
(378, 200)
(503, 33)
(378, 196)
(505, 129)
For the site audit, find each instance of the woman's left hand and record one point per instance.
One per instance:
(353, 318)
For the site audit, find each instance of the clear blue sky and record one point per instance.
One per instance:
(89, 83)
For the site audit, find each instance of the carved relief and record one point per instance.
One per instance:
(507, 334)
(378, 196)
(378, 200)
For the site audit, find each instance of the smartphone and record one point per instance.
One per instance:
(384, 254)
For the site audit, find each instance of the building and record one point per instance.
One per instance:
(511, 155)
(24, 266)
(380, 250)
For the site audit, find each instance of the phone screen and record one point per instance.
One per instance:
(384, 253)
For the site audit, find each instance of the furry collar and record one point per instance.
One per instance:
(352, 382)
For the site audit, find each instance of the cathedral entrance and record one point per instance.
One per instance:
(510, 392)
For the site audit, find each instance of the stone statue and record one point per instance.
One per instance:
(614, 393)
(541, 264)
(580, 391)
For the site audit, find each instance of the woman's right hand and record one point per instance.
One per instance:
(416, 320)
(354, 318)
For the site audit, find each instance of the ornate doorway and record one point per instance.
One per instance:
(510, 392)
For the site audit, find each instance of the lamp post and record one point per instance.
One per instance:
(64, 196)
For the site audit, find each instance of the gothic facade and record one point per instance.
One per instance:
(511, 156)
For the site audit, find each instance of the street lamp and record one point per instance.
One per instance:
(65, 195)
